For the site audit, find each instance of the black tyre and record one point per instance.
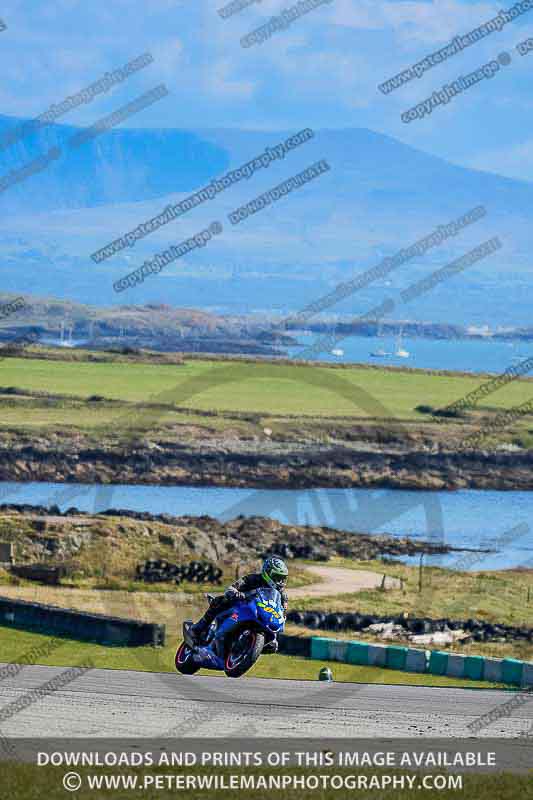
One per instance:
(312, 621)
(357, 621)
(333, 622)
(351, 621)
(296, 617)
(418, 626)
(183, 660)
(243, 652)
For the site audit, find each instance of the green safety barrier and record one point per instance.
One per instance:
(357, 653)
(320, 647)
(492, 670)
(455, 668)
(407, 659)
(512, 670)
(474, 668)
(527, 675)
(416, 660)
(338, 650)
(377, 655)
(396, 657)
(438, 663)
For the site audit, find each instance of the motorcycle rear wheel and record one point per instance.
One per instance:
(183, 660)
(243, 652)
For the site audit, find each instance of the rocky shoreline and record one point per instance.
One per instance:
(44, 534)
(234, 462)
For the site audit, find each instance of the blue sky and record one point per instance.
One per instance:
(321, 72)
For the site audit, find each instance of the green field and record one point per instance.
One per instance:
(242, 398)
(268, 389)
(19, 413)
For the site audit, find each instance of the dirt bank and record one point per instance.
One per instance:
(115, 541)
(237, 462)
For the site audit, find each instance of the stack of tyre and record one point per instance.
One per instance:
(289, 551)
(342, 621)
(159, 571)
(479, 630)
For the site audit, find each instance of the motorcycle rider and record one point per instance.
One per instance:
(274, 574)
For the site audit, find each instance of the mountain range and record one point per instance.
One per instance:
(378, 196)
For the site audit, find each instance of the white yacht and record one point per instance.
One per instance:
(380, 352)
(400, 351)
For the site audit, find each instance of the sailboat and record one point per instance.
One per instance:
(400, 351)
(380, 352)
(63, 342)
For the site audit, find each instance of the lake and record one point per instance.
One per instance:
(468, 355)
(475, 519)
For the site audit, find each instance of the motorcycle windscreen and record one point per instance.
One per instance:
(270, 607)
(271, 596)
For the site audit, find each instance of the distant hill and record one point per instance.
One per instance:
(155, 326)
(376, 172)
(379, 196)
(117, 166)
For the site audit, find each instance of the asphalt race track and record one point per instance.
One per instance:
(119, 703)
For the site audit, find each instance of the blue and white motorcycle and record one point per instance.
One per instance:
(236, 637)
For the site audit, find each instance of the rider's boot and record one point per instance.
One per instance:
(199, 631)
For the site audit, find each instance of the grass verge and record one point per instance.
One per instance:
(499, 596)
(25, 782)
(14, 644)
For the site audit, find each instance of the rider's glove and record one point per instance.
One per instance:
(235, 596)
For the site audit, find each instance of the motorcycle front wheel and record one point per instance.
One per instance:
(243, 652)
(184, 661)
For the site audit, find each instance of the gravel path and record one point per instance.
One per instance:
(339, 580)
